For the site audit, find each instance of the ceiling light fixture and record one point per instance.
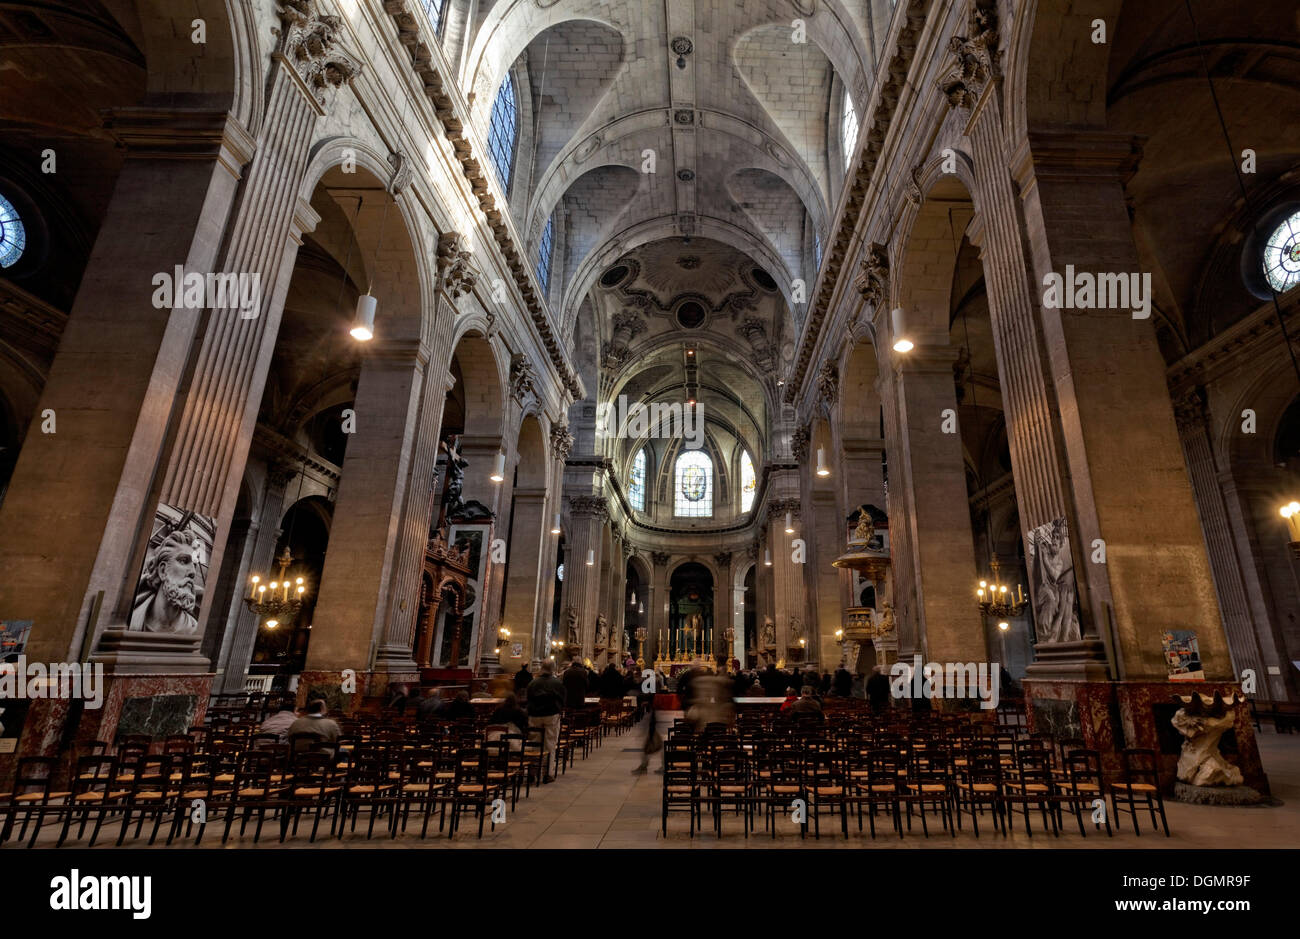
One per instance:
(789, 523)
(822, 468)
(555, 529)
(902, 343)
(499, 468)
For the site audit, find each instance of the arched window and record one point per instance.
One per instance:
(1282, 255)
(817, 251)
(436, 10)
(13, 236)
(748, 481)
(848, 129)
(544, 251)
(693, 485)
(636, 482)
(501, 130)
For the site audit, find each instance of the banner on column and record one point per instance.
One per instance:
(175, 572)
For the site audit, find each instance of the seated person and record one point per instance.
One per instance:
(280, 722)
(756, 690)
(317, 723)
(806, 704)
(790, 699)
(509, 713)
(458, 708)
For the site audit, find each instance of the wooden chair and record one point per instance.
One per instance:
(1140, 783)
(95, 792)
(681, 787)
(980, 787)
(1031, 785)
(31, 796)
(1082, 787)
(313, 789)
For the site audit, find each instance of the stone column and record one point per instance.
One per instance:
(240, 633)
(1192, 415)
(789, 597)
(1113, 403)
(722, 607)
(935, 510)
(528, 577)
(353, 605)
(656, 603)
(589, 515)
(80, 493)
(826, 541)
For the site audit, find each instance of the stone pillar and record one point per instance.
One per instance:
(722, 608)
(529, 578)
(935, 509)
(353, 605)
(826, 541)
(240, 633)
(789, 597)
(81, 493)
(1113, 403)
(1192, 415)
(589, 515)
(656, 607)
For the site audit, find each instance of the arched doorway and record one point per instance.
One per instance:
(690, 612)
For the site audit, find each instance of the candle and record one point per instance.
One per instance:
(252, 591)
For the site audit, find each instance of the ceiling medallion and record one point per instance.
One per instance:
(684, 116)
(688, 261)
(682, 46)
(686, 175)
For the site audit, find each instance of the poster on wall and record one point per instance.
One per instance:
(1182, 655)
(1051, 582)
(13, 638)
(170, 589)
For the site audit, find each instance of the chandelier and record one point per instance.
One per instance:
(995, 599)
(282, 601)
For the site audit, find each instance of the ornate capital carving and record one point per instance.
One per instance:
(975, 59)
(873, 276)
(722, 559)
(309, 42)
(1192, 411)
(828, 381)
(589, 507)
(279, 473)
(458, 276)
(561, 441)
(799, 444)
(523, 376)
(660, 558)
(778, 507)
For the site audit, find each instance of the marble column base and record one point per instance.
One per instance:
(1109, 716)
(1082, 660)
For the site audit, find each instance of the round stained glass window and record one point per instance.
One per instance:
(13, 237)
(1282, 255)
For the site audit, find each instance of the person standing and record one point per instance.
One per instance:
(878, 690)
(842, 682)
(575, 685)
(522, 678)
(546, 695)
(611, 691)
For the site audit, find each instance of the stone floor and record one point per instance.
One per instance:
(599, 803)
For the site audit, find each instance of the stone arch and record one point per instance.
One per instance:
(530, 451)
(921, 278)
(484, 384)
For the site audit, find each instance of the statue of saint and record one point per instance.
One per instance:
(768, 637)
(455, 474)
(796, 629)
(866, 529)
(571, 627)
(887, 622)
(602, 631)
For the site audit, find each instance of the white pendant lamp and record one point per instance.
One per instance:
(499, 468)
(363, 323)
(898, 323)
(822, 468)
(555, 529)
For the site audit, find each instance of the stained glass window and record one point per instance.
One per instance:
(693, 485)
(848, 129)
(1282, 255)
(636, 482)
(544, 254)
(435, 9)
(817, 250)
(13, 236)
(748, 482)
(501, 130)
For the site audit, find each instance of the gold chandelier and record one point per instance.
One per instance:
(996, 599)
(282, 601)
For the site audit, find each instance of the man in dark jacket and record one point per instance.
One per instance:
(878, 690)
(775, 681)
(522, 678)
(575, 684)
(546, 695)
(610, 684)
(843, 682)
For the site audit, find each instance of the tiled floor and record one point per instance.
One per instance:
(600, 803)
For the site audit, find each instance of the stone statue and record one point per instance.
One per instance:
(571, 627)
(887, 622)
(866, 529)
(171, 586)
(767, 638)
(1202, 721)
(602, 631)
(796, 630)
(455, 474)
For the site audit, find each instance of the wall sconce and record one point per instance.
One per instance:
(898, 322)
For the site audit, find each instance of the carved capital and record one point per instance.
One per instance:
(722, 559)
(873, 276)
(660, 558)
(523, 377)
(589, 507)
(309, 42)
(828, 381)
(561, 441)
(975, 59)
(1192, 411)
(799, 444)
(454, 268)
(777, 508)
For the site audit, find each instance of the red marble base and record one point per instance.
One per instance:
(45, 729)
(1129, 707)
